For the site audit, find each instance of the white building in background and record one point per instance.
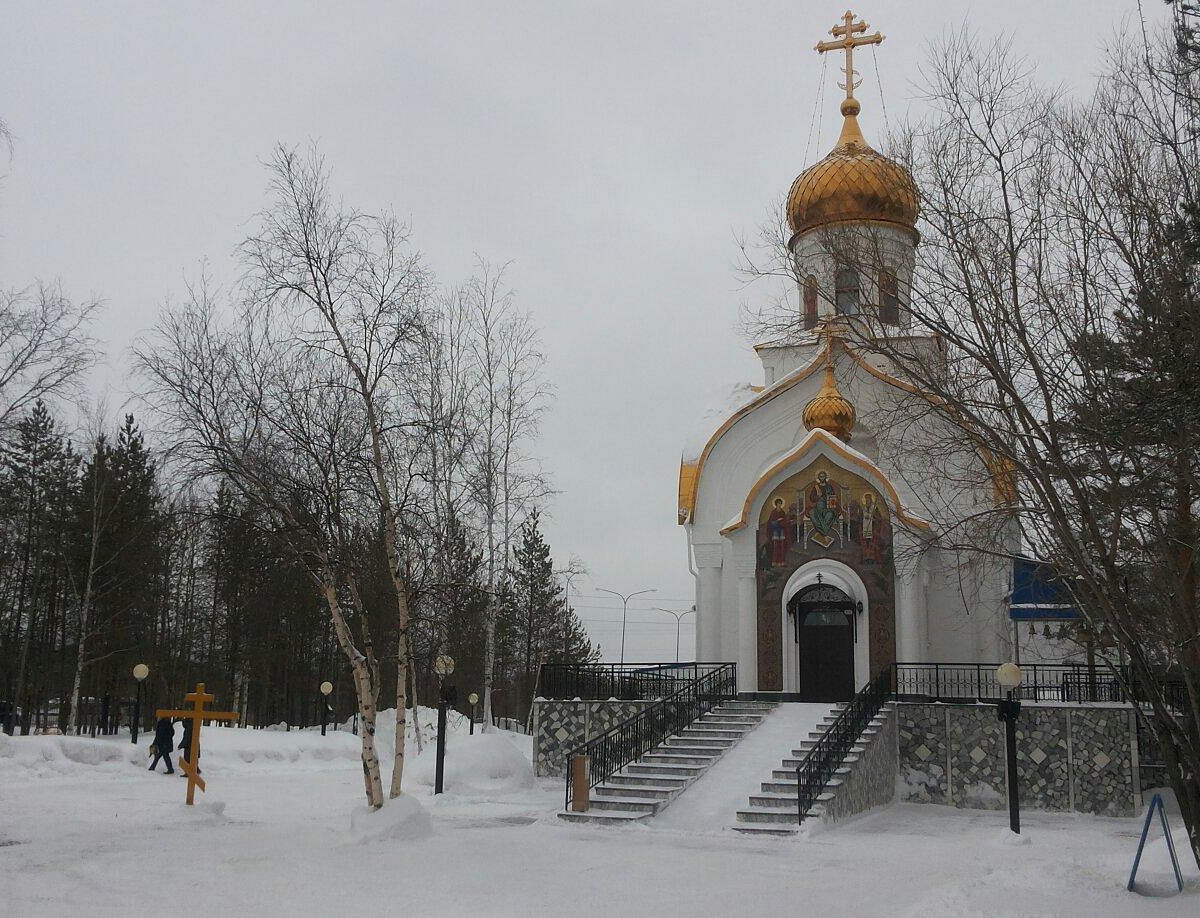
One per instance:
(813, 523)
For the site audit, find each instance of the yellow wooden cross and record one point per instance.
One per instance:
(850, 37)
(197, 714)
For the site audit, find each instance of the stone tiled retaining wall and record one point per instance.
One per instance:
(1077, 758)
(872, 779)
(560, 726)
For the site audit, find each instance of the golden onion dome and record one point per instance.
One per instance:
(830, 410)
(852, 183)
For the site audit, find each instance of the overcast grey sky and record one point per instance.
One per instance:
(611, 151)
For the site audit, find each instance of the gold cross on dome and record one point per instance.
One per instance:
(849, 36)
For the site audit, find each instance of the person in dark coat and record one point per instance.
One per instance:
(164, 744)
(185, 744)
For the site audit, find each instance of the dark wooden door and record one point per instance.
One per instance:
(826, 656)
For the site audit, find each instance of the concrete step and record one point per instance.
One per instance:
(850, 759)
(603, 817)
(688, 771)
(680, 748)
(760, 828)
(712, 732)
(771, 801)
(665, 782)
(678, 759)
(735, 720)
(690, 740)
(774, 817)
(636, 790)
(625, 804)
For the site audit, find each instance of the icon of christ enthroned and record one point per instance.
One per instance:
(823, 512)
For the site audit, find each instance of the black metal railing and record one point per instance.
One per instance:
(626, 681)
(629, 740)
(831, 749)
(1068, 683)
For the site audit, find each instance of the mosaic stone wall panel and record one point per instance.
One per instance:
(872, 779)
(976, 758)
(1043, 766)
(1068, 758)
(1102, 755)
(560, 726)
(922, 749)
(604, 715)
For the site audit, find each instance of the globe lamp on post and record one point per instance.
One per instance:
(443, 666)
(140, 672)
(1008, 675)
(326, 689)
(473, 700)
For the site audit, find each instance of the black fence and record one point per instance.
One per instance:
(831, 749)
(625, 681)
(633, 738)
(1067, 683)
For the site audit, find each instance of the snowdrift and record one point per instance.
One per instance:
(482, 765)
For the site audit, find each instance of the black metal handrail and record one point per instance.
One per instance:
(1068, 683)
(629, 740)
(831, 749)
(626, 681)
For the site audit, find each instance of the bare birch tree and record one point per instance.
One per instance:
(45, 347)
(509, 398)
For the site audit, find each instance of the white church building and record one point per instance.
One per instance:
(814, 525)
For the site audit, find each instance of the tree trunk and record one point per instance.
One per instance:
(364, 689)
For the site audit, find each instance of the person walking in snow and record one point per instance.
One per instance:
(185, 744)
(164, 744)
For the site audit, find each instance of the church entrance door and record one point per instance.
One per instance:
(823, 617)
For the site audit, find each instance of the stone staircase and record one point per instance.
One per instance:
(772, 811)
(645, 787)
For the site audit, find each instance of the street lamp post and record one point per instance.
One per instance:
(443, 666)
(624, 611)
(140, 672)
(678, 622)
(326, 688)
(1008, 710)
(473, 700)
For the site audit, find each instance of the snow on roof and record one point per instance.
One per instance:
(721, 403)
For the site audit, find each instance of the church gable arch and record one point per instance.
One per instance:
(823, 512)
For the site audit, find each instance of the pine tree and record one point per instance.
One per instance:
(537, 624)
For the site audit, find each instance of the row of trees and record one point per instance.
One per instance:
(346, 485)
(1059, 273)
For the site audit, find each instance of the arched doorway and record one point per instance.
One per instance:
(823, 619)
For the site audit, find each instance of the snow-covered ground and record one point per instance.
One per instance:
(85, 829)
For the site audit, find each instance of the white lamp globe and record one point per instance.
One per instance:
(1008, 675)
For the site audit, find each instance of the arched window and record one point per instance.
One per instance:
(889, 298)
(847, 291)
(810, 302)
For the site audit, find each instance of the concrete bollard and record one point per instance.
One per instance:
(580, 786)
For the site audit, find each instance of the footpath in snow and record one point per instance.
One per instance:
(711, 804)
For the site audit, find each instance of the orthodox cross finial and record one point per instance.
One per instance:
(848, 36)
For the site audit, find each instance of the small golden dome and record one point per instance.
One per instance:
(830, 410)
(852, 183)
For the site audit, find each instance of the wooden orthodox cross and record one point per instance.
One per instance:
(849, 36)
(190, 766)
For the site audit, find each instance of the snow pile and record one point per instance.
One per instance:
(401, 819)
(62, 756)
(476, 766)
(222, 749)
